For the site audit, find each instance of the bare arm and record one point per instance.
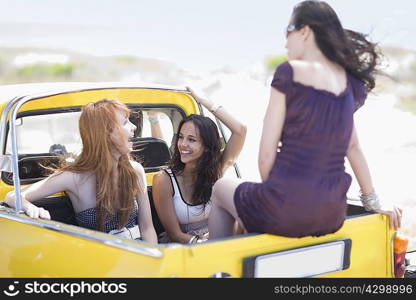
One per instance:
(162, 197)
(46, 187)
(362, 173)
(238, 131)
(155, 129)
(359, 164)
(147, 229)
(272, 131)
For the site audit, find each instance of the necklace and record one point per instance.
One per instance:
(187, 224)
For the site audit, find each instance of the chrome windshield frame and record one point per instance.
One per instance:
(11, 110)
(12, 106)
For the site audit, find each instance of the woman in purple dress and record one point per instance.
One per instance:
(313, 98)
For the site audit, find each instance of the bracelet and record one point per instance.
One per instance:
(153, 121)
(194, 239)
(370, 201)
(215, 107)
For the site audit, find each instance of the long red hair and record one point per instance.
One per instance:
(96, 123)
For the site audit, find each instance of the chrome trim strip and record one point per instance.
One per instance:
(3, 124)
(86, 234)
(219, 124)
(14, 155)
(5, 163)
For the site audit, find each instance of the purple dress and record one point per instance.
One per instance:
(305, 193)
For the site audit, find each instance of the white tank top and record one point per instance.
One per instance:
(190, 217)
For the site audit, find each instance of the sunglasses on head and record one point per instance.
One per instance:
(290, 28)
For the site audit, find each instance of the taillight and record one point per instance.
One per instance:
(400, 247)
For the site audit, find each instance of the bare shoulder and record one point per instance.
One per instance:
(64, 175)
(301, 67)
(162, 187)
(78, 179)
(161, 178)
(78, 176)
(307, 72)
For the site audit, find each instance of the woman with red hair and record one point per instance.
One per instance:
(107, 189)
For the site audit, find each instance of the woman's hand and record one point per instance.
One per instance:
(208, 104)
(394, 213)
(36, 212)
(10, 199)
(238, 130)
(31, 210)
(193, 93)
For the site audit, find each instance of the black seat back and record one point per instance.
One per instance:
(155, 217)
(152, 153)
(32, 167)
(60, 208)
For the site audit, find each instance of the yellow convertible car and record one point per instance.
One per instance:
(39, 124)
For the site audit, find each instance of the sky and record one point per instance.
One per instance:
(192, 34)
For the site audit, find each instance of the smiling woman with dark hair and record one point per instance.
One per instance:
(182, 192)
(208, 167)
(313, 98)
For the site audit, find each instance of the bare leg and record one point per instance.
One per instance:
(223, 213)
(220, 222)
(238, 228)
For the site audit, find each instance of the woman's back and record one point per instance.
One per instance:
(329, 77)
(309, 169)
(316, 117)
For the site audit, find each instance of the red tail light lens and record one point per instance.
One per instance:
(400, 247)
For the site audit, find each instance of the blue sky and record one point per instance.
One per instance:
(193, 34)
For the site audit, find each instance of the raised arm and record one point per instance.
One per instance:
(145, 222)
(155, 129)
(362, 173)
(272, 131)
(162, 197)
(238, 130)
(53, 184)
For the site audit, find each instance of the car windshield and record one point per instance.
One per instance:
(59, 133)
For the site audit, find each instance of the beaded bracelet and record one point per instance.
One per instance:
(370, 202)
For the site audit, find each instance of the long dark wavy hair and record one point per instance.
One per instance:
(209, 168)
(348, 48)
